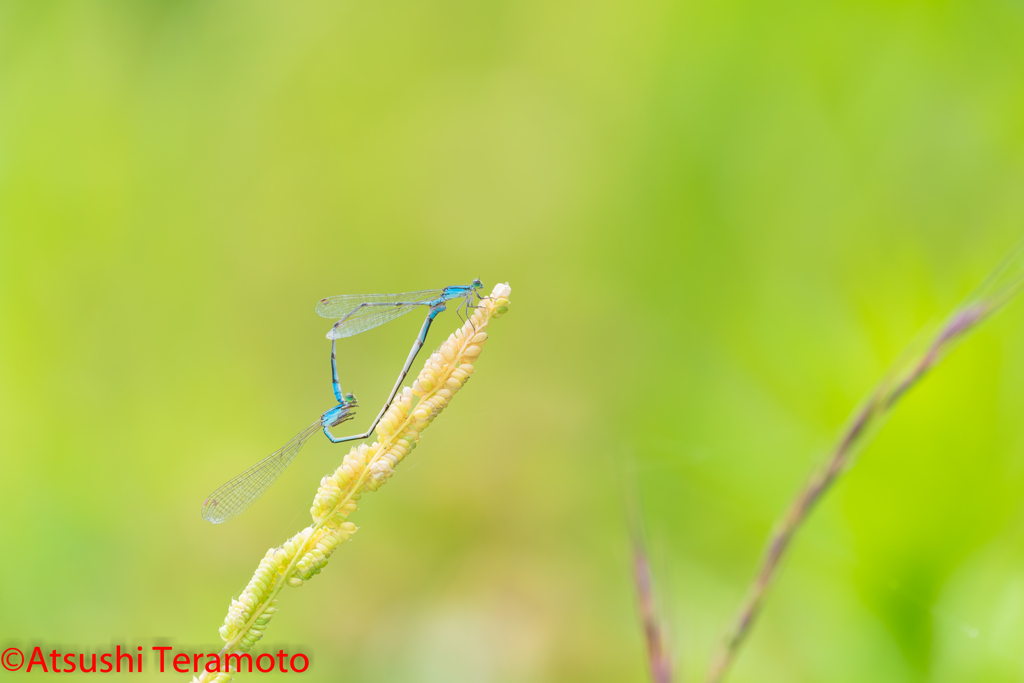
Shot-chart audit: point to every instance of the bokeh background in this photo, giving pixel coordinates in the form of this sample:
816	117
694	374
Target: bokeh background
721	221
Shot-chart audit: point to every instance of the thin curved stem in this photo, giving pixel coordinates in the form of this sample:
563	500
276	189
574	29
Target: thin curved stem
1001	286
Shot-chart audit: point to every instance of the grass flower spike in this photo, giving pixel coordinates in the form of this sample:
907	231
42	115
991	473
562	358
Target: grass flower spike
1000	287
366	468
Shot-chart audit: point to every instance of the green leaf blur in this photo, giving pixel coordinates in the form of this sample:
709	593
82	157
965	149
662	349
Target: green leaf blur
722	221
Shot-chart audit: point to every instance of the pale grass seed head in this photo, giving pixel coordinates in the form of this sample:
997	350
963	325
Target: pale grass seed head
366	468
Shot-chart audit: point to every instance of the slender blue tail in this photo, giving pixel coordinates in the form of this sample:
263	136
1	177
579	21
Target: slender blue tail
334	373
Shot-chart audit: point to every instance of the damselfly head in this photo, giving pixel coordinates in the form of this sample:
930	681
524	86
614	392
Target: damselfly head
477	284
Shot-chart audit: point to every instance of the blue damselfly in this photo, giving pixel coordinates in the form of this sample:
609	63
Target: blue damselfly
355	313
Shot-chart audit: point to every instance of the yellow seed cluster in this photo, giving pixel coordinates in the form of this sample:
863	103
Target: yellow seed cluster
365	468
325	540
236	624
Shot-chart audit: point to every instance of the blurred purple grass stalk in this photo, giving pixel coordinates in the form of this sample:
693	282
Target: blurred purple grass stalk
1001	286
364	469
658	658
656	637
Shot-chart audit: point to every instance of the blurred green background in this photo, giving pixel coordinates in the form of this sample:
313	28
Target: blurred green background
721	222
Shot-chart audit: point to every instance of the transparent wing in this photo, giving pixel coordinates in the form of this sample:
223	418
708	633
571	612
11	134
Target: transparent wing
361	312
235	496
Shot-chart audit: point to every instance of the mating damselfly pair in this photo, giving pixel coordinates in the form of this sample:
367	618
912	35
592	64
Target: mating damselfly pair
355	313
